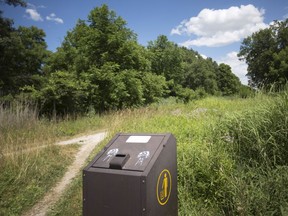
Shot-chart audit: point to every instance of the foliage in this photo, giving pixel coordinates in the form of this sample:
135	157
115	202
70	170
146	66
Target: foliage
265	53
15	2
228	83
166	59
101	66
112	69
185	68
246	91
103	38
23	51
62	93
154	87
219	168
279	67
203	75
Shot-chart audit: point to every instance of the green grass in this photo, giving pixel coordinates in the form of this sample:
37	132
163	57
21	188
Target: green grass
27	171
71	202
232	153
215	176
25	178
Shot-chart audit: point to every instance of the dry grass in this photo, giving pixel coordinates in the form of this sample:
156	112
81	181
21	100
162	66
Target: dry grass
28	171
22	129
25	178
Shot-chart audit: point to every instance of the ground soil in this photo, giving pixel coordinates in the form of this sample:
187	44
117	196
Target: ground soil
87	143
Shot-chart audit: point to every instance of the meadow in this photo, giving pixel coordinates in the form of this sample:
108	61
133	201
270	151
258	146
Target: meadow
232	155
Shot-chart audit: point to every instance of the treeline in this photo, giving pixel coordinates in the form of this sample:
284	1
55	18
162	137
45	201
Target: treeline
100	66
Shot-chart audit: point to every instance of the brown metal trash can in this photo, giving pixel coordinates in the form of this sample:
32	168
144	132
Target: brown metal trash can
134	175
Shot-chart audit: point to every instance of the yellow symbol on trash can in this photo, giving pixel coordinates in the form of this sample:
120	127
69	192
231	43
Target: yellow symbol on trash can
163	188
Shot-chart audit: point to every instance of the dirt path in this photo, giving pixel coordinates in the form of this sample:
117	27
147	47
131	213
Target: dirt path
88	144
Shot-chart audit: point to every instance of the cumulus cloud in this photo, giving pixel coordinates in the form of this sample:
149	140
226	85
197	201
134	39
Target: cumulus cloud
52	17
204	56
33	14
239	68
214	28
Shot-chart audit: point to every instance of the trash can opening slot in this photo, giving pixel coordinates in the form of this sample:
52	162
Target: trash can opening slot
119	161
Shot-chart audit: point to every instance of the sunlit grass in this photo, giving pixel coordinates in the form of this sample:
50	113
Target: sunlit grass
211	181
30	163
21	128
25	178
222	166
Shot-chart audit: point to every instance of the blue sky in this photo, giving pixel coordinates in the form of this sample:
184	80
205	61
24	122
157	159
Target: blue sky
213	28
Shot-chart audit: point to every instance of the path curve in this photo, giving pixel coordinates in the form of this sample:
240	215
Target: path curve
88	144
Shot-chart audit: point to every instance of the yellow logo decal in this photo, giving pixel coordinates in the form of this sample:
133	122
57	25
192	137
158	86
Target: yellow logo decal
164	185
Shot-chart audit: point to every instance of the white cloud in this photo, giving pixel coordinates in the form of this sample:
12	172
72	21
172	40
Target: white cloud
52	17
34	15
214	28
239	68
204	56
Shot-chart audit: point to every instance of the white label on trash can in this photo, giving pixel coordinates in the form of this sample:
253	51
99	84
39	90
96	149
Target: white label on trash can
110	154
138	139
141	157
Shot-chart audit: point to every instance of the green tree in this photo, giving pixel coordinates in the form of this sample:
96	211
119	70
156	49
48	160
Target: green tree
105	54
202	74
111	90
166	59
262	52
279	67
61	94
228	83
103	38
154	87
22	53
21	59
15	2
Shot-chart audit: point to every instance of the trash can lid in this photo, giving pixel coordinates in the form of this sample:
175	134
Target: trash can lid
130	152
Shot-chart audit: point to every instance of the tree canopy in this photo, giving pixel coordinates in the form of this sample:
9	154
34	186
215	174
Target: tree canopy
100	66
15	2
22	54
265	52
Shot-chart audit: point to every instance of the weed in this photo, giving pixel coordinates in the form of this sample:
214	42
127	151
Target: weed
232	153
25	178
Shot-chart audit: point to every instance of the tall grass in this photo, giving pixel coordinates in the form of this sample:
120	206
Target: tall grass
260	136
232	153
17	121
17	115
222	168
25	178
259	151
21	127
27	172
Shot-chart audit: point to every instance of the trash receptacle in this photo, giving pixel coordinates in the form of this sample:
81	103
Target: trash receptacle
134	175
